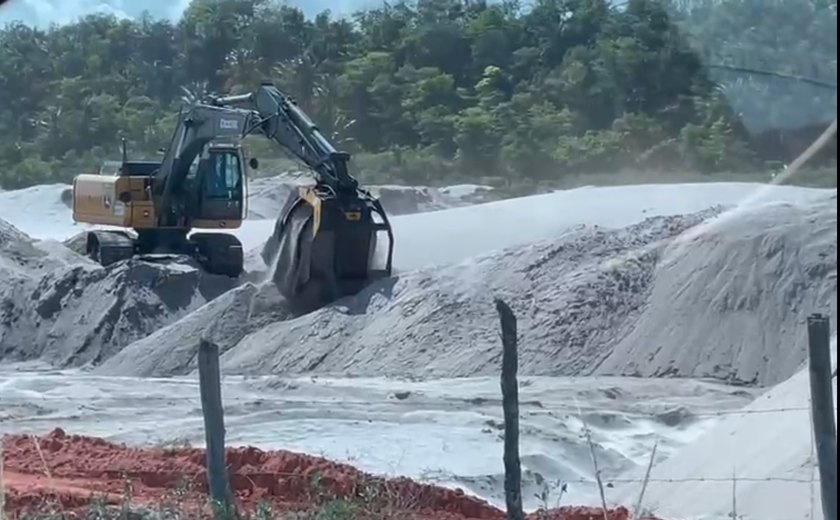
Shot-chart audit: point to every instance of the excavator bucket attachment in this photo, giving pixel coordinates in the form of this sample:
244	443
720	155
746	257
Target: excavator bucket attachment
326	246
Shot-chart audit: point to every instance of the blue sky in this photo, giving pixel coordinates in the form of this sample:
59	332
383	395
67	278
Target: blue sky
44	12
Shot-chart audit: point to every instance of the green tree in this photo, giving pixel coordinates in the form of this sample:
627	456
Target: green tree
440	90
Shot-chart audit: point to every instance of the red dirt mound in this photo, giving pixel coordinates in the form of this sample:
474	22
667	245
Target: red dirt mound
76	470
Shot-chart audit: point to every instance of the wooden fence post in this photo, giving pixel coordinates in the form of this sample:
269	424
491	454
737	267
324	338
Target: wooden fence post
2	485
822	410
510	406
210	383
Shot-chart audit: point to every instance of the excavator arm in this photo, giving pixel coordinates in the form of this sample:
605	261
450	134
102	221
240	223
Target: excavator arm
282	121
325	241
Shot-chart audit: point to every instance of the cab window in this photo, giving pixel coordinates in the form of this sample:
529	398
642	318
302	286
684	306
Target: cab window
222	175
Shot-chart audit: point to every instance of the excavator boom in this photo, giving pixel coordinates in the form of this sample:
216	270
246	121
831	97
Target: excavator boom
282	121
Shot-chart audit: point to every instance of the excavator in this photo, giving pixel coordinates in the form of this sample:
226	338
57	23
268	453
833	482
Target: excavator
325	242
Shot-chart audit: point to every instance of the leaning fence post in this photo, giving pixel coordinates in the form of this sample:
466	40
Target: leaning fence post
822	410
2	485
210	384
510	406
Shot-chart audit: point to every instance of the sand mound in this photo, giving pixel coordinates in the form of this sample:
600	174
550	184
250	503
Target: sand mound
665	297
573	297
768	446
441	322
730	298
723	300
23	257
84	468
63	309
174	348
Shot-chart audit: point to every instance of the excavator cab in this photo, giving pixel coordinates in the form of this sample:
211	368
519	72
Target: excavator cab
214	188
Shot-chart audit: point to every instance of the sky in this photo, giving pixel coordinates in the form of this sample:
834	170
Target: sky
43	12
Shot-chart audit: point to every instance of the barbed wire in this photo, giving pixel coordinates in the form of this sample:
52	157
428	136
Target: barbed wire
685	480
753	412
434	476
719	413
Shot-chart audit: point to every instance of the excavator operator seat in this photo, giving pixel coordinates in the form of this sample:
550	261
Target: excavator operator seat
222	174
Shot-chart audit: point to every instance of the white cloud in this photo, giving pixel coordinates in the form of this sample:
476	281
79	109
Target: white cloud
41	13
45	12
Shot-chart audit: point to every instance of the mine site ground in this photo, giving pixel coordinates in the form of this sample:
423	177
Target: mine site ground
667	315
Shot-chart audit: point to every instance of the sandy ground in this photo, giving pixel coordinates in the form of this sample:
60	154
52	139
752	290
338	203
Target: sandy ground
442	431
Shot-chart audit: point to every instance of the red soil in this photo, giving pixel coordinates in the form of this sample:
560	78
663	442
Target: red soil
76	470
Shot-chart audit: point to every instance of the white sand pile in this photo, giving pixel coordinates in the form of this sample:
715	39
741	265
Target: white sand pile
61	308
591	300
174	349
573	299
729	298
723	301
664	297
768	447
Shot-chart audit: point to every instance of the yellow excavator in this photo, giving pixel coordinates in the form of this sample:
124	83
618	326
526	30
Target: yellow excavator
326	239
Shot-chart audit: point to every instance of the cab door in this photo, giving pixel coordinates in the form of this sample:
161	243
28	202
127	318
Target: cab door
220	185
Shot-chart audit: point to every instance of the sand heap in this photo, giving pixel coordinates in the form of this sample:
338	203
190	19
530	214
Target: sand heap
441	322
59	307
731	297
768	446
23	257
665	297
723	300
574	295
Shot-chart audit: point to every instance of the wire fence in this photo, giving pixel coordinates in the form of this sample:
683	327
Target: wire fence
726	497
722	494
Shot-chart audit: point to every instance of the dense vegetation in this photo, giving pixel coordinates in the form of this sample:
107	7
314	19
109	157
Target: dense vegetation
442	90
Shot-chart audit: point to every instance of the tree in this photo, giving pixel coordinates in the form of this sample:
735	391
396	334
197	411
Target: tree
438	90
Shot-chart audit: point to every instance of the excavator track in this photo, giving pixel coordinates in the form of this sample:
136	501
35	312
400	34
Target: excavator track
109	247
219	253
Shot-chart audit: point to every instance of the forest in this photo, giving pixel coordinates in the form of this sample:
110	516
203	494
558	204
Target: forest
442	91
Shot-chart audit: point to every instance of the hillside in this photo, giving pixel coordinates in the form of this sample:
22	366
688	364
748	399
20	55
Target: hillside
434	92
